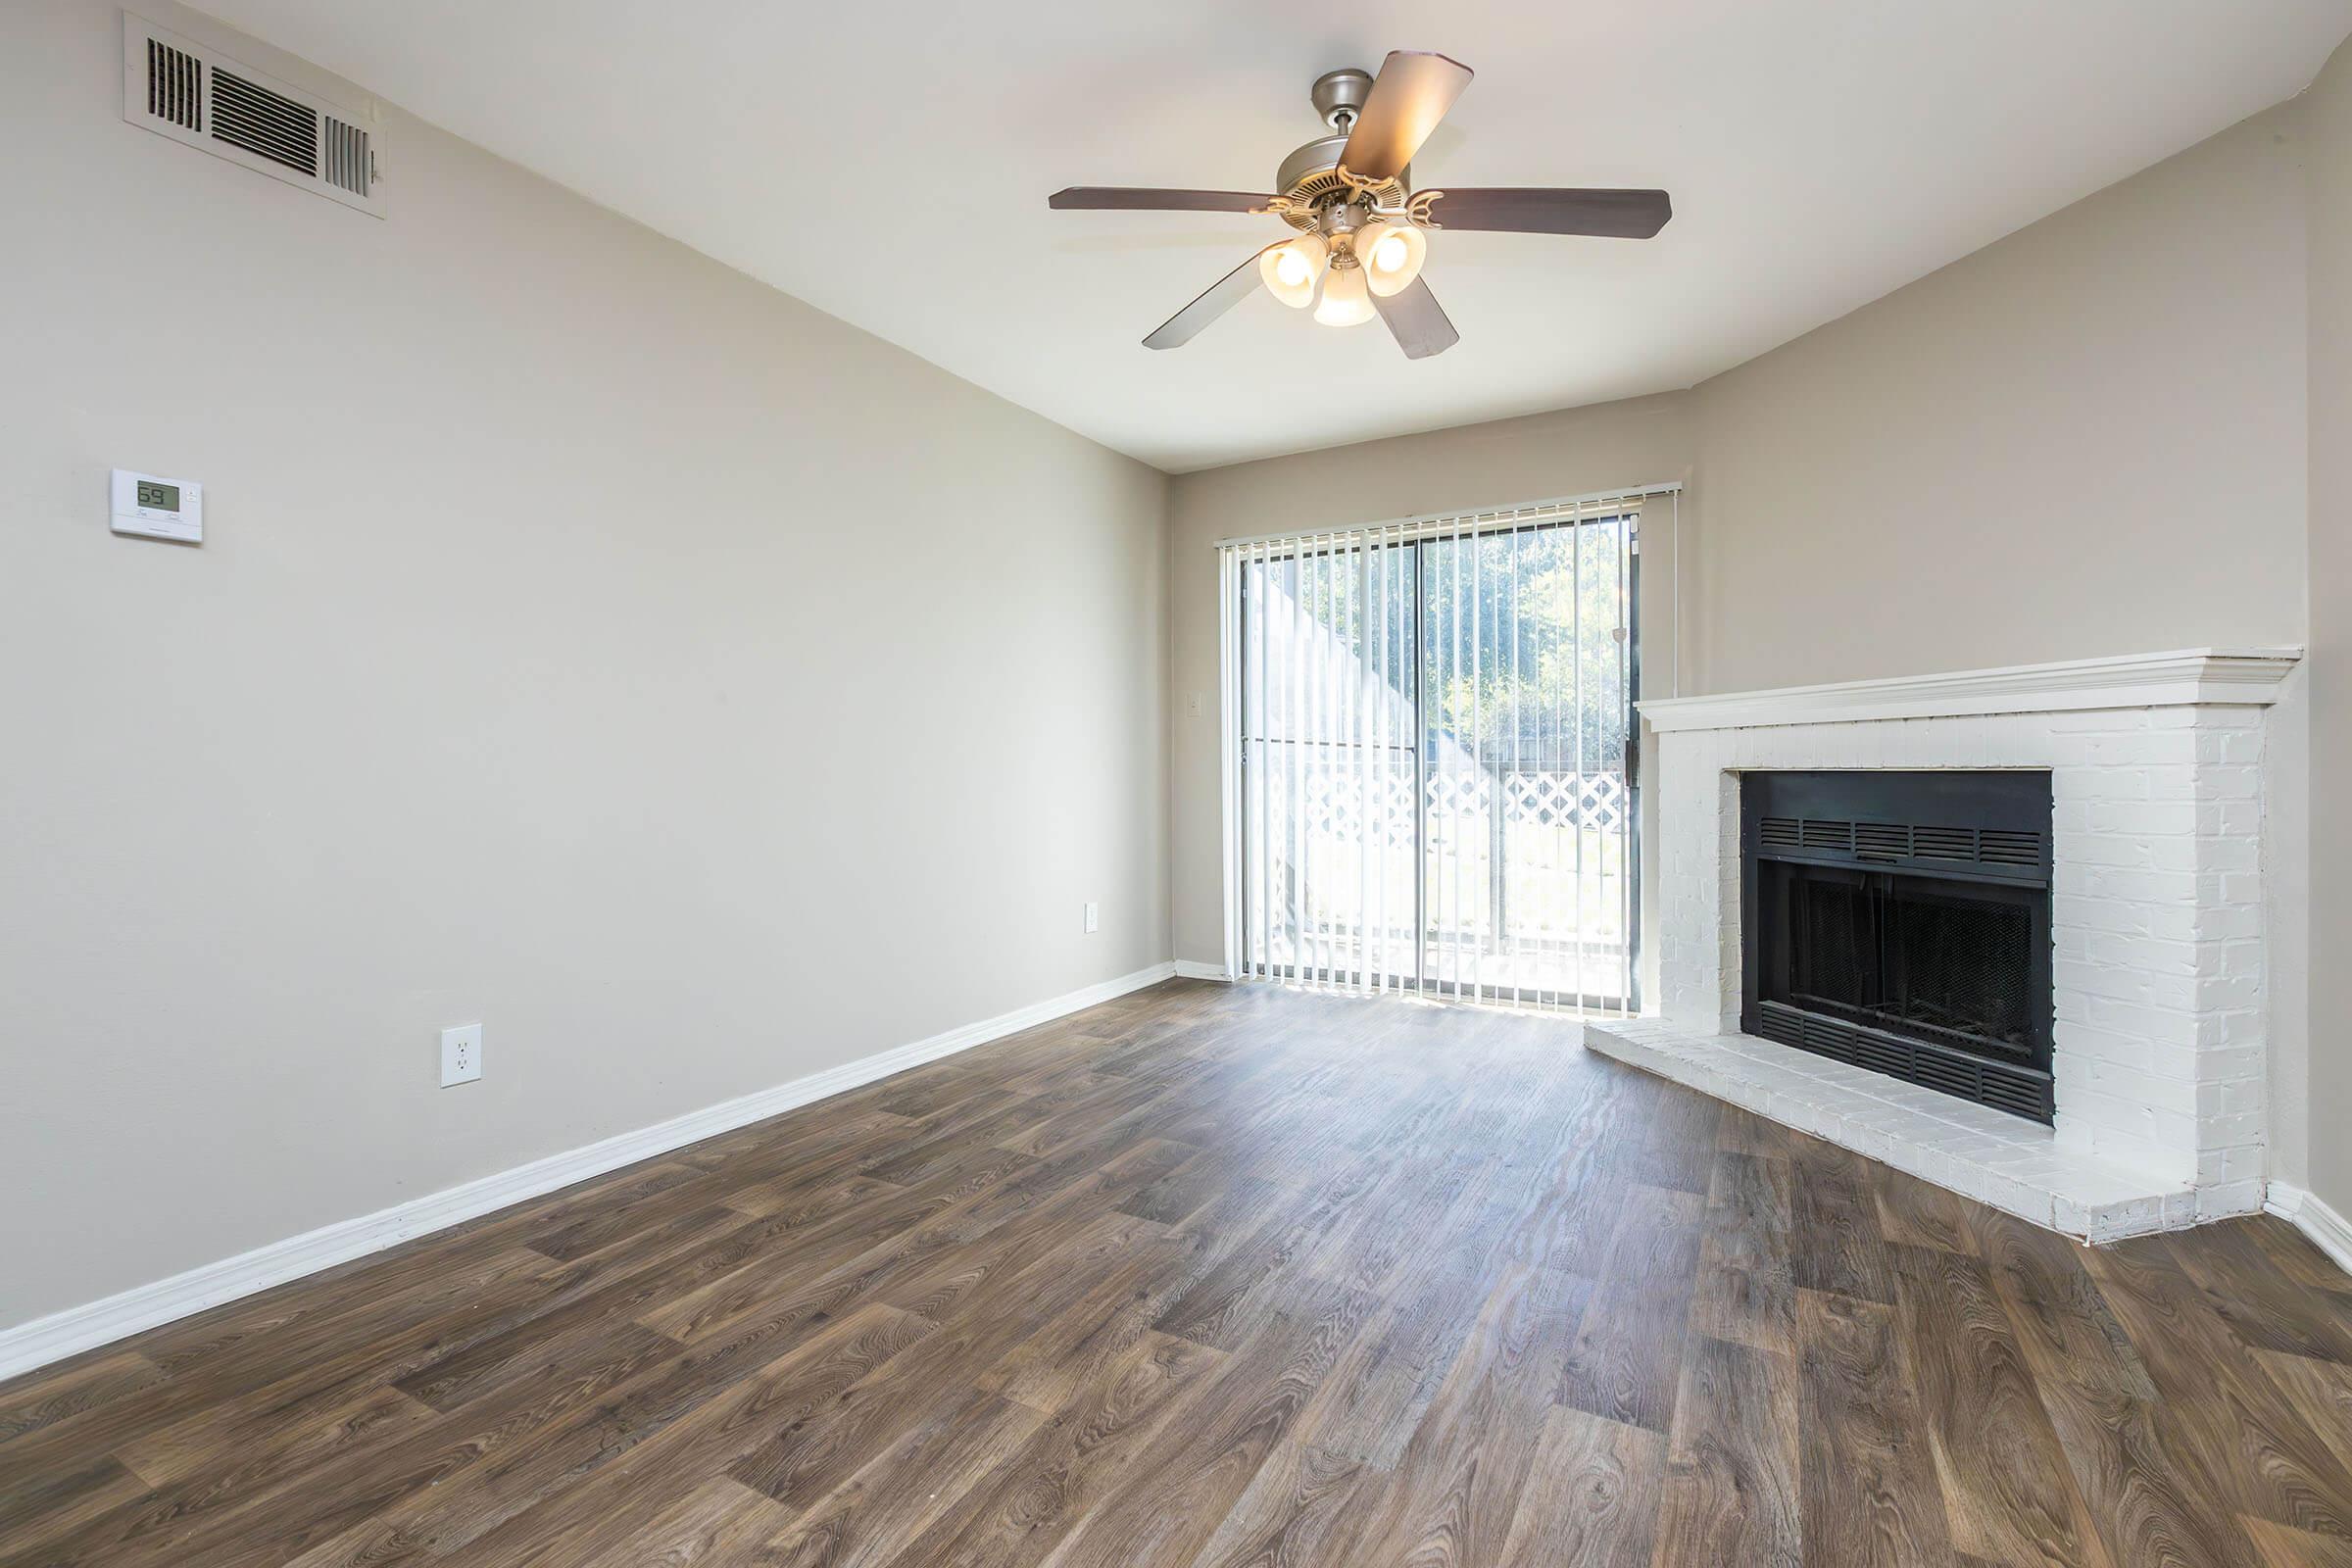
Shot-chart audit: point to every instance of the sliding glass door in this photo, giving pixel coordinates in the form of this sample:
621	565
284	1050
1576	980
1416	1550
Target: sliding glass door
1431	770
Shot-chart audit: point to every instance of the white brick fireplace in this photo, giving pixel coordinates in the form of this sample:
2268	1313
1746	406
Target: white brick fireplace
2157	925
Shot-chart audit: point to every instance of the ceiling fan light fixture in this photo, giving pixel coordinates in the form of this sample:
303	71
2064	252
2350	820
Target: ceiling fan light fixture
1362	238
1291	271
1392	251
1346	300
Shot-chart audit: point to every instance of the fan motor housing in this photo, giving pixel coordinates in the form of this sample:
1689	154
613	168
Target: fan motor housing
1310	178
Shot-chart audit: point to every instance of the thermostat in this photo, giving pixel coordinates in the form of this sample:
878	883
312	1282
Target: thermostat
157	508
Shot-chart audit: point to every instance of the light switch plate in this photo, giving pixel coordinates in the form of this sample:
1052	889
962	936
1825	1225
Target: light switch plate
460	1055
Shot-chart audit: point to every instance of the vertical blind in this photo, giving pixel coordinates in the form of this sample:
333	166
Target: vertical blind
1428	757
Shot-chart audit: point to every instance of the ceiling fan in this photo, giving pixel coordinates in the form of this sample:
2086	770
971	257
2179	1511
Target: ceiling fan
1362	229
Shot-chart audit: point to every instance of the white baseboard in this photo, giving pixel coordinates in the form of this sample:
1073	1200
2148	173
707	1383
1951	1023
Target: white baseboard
80	1328
1190	969
2329	1230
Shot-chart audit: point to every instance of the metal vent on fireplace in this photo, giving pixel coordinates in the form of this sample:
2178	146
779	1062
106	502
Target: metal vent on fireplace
2020	1091
1886	842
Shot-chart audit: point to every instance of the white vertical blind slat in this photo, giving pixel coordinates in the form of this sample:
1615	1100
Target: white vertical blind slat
1475	762
1626	869
1302	753
1548	836
1319	719
1518	772
1454	757
1576	816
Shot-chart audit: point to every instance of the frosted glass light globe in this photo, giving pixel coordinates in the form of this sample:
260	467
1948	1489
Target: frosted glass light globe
1346	300
1290	269
1392	250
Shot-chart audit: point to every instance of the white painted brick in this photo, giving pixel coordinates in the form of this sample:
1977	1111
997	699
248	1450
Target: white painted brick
2235	818
2158	952
2115	849
2237	782
2230	856
2221	1201
2143	819
2113	1221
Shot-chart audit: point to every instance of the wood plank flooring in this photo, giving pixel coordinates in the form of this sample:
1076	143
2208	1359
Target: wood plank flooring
1212	1277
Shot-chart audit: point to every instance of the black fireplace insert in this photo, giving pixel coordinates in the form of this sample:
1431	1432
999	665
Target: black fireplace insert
1900	921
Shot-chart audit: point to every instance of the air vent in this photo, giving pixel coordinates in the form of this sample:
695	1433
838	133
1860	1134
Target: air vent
1818	835
1882	841
2011	846
200	98
268	124
2019	1090
174	86
2021	1094
1893	843
1781	1023
1945	843
350	158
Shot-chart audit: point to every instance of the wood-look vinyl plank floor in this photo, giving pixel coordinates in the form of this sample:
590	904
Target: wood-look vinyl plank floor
1212	1277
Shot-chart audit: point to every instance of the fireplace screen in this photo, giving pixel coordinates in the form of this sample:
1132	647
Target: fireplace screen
1901	922
1940	964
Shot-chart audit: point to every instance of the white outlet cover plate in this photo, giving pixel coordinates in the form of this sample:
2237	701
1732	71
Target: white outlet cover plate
460	1055
1093	916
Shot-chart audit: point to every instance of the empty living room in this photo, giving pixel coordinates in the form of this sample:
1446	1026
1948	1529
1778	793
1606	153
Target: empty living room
1075	786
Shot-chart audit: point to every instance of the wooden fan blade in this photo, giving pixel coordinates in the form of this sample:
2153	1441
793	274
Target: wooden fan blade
1409	96
1137	198
1417	320
1214	301
1610	213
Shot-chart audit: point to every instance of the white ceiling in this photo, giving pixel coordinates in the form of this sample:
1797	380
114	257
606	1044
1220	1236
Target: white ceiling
890	163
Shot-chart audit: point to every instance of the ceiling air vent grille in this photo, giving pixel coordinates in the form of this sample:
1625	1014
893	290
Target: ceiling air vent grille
200	98
174	86
268	124
350	161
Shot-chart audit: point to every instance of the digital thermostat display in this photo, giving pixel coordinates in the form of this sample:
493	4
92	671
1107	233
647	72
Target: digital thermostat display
151	507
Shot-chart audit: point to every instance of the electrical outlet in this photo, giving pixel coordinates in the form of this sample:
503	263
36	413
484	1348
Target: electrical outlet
1193	705
460	1055
1093	916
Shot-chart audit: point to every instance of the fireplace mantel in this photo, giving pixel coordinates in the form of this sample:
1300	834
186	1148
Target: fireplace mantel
2182	676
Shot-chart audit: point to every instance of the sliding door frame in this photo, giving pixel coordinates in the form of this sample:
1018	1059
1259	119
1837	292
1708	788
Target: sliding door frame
1405	537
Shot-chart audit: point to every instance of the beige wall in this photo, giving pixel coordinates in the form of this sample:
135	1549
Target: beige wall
2328	125
589	640
2088	438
